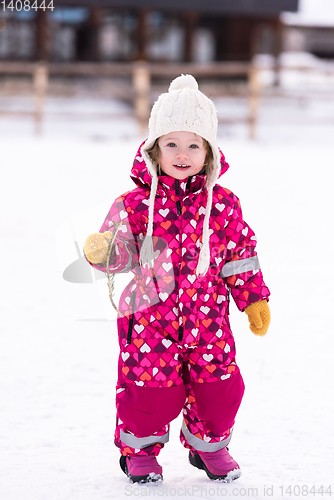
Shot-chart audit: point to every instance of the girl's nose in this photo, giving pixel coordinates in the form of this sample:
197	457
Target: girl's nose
182	154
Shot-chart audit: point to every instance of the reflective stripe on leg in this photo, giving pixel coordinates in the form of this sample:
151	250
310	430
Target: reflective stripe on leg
200	445
139	443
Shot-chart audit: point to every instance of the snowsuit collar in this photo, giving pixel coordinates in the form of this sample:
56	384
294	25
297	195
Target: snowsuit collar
168	186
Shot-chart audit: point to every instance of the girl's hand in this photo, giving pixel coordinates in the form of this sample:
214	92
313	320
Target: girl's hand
259	317
96	247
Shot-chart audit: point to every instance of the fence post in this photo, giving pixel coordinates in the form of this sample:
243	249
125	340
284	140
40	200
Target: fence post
40	86
254	98
142	91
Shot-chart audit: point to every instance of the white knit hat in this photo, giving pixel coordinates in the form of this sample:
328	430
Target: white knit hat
183	108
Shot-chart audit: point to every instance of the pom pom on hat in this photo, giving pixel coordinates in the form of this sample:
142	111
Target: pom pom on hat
183	81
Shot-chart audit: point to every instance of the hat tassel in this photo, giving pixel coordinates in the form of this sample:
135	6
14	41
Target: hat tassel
204	256
147	250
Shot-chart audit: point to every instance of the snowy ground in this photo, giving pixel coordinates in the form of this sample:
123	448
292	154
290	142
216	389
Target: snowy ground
58	350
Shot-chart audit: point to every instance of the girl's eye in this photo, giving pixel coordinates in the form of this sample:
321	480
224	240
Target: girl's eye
194	146
171	144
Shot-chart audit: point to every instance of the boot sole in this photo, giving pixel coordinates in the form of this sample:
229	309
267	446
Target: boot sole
152	477
196	461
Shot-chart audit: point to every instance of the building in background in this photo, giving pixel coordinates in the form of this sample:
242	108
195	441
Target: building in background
311	29
153	30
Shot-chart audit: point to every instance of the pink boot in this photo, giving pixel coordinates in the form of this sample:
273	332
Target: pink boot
217	465
141	468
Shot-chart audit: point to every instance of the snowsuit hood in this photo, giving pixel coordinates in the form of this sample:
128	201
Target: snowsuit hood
142	178
146	252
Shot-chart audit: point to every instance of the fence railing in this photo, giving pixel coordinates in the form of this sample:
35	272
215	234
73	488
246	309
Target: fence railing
141	75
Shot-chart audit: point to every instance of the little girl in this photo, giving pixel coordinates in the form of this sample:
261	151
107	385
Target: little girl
184	238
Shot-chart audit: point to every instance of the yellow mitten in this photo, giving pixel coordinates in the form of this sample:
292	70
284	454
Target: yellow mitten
259	317
96	247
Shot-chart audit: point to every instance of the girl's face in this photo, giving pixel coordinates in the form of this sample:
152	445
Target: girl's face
182	154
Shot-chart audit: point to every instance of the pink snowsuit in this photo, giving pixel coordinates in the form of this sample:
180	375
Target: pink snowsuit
176	346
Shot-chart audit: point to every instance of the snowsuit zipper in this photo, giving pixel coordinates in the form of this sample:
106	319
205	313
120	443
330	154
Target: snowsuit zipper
179	212
228	302
177	192
132	302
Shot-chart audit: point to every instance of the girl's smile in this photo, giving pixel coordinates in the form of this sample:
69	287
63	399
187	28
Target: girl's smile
182	154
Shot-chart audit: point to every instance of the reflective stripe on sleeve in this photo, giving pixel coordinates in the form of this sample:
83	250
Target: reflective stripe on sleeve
139	443
240	266
200	445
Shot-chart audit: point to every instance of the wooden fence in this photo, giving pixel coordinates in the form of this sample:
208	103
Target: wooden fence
141	74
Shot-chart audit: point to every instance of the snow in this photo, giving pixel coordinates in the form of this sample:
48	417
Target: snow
58	350
311	13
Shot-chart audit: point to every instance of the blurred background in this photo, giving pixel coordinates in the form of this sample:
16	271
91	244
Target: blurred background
77	82
77	66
